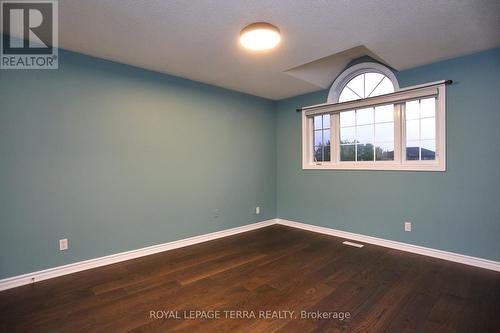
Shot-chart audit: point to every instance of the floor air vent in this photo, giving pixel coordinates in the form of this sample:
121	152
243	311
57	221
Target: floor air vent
353	244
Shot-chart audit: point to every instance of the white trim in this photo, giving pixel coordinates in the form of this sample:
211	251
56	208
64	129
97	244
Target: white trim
373	166
28	278
450	256
45	274
365	67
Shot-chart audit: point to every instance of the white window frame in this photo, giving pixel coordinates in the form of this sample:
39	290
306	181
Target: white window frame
399	163
346	76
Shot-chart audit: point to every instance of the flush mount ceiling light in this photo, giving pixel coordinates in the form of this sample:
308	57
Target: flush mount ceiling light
260	36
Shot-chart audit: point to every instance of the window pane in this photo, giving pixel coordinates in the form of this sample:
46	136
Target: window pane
347	95
327	153
428	128
348	135
372	80
385	87
412	130
412	150
326	137
428	149
326	121
366	85
317	123
384	132
364	116
384	151
365	152
412	110
364	134
357	85
318	154
384	113
347	118
318	138
347	152
428	107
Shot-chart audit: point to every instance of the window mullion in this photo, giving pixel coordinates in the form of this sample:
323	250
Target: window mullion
310	140
374	138
403	132
437	129
335	137
419	130
398	133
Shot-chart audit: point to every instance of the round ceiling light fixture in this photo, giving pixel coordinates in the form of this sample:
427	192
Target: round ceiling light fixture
260	36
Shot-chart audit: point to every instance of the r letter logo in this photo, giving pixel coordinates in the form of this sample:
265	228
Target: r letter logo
30	34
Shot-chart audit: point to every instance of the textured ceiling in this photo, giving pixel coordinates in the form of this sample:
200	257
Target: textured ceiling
198	39
321	72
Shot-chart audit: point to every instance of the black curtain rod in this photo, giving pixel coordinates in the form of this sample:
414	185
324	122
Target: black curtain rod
447	82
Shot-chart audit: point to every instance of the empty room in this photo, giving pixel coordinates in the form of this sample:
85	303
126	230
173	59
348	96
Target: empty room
249	166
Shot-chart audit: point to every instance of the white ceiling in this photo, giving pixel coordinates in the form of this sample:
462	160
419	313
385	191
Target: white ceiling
198	39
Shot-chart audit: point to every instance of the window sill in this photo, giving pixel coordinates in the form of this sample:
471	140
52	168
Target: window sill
379	166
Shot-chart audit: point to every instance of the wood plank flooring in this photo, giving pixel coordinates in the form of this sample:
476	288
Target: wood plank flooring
271	269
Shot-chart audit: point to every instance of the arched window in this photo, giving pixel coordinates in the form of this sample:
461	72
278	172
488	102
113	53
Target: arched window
363	80
369	123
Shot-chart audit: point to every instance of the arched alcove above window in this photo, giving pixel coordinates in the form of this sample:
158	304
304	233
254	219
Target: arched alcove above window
367	79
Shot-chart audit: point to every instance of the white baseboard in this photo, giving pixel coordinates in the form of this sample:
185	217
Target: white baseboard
451	256
28	278
45	274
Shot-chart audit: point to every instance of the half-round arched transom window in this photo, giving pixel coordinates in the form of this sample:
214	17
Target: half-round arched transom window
362	81
366	85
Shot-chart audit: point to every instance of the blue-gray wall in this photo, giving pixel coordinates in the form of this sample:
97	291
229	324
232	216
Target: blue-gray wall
116	158
457	210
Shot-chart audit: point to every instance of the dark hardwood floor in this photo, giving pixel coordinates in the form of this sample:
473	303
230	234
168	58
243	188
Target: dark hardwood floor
272	269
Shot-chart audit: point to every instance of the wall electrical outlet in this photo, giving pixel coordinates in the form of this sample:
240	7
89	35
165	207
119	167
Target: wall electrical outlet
257	210
408	226
63	244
